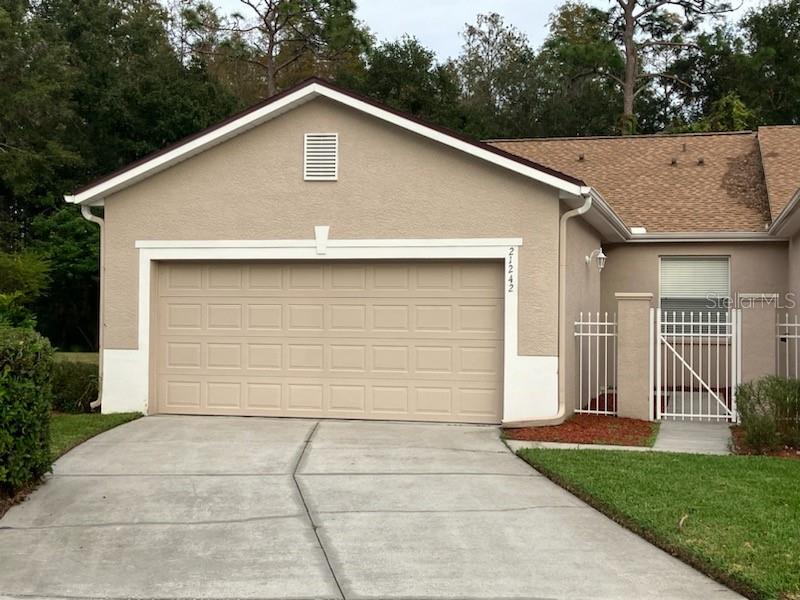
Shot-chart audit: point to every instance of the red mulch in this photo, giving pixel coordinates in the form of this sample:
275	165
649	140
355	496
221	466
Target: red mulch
590	429
740	446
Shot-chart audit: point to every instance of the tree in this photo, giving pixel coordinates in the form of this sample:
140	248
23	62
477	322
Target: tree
23	278
280	40
37	119
406	75
494	68
573	98
87	87
757	62
646	29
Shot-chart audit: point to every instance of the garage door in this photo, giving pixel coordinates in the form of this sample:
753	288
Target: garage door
375	340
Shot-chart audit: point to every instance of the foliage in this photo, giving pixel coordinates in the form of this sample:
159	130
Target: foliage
87	87
75	386
23	279
26	360
769	410
276	43
404	74
736	518
67	311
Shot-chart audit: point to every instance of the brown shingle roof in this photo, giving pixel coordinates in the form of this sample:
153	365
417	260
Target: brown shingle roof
780	154
666	183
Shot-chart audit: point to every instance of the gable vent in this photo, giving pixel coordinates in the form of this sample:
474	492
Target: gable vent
321	157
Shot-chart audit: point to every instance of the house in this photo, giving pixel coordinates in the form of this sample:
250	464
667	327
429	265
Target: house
322	255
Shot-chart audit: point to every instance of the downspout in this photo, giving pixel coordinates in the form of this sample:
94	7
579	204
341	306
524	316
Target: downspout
562	321
562	302
86	213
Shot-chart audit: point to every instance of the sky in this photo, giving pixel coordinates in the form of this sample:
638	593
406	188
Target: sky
437	23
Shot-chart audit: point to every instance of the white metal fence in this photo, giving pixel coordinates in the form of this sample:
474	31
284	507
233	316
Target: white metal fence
596	341
697	365
787	351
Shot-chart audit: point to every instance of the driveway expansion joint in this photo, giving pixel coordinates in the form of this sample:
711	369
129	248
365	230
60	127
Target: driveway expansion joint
314	526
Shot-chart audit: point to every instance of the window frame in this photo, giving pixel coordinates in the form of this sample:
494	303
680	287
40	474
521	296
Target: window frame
685	327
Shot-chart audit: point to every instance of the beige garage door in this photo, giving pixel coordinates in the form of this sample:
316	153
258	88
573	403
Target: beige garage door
374	340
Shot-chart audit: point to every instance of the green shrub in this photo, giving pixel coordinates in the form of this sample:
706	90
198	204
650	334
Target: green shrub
74	386
769	410
26	361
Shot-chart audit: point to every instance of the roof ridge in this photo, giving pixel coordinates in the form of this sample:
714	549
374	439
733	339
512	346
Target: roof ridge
583	138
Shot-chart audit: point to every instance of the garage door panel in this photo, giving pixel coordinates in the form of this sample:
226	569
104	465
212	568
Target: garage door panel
335	398
412	341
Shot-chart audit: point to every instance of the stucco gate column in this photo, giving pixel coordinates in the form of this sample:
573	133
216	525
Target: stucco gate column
633	354
759	312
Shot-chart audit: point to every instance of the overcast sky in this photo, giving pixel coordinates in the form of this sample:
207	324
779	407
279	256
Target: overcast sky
437	23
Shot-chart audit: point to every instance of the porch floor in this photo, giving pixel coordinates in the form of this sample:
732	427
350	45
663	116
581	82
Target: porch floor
694	437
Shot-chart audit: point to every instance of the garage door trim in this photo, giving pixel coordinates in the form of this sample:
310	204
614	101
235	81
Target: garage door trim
521	374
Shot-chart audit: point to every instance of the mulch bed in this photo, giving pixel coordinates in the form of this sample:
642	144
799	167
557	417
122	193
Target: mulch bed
590	429
740	446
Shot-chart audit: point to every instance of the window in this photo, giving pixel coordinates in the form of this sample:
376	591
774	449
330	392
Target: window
695	284
321	157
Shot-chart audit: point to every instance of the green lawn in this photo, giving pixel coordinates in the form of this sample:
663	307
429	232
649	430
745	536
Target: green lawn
89	357
736	518
67	431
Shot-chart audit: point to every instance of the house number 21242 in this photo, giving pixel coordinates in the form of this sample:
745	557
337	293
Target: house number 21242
510	269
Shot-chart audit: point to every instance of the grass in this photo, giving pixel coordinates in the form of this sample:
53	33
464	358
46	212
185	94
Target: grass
67	431
736	518
89	357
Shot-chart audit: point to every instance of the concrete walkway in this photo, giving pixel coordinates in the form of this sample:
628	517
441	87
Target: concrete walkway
198	507
694	437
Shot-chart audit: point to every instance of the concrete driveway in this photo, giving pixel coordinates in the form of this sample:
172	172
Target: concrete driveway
199	507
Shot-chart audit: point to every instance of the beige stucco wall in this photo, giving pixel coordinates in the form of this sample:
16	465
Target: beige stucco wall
392	184
583	295
755	267
759	268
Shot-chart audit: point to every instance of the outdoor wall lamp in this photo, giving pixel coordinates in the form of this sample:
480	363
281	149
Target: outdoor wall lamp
601	258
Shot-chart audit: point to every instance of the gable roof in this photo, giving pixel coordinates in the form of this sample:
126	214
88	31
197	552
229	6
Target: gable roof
666	183
780	155
95	192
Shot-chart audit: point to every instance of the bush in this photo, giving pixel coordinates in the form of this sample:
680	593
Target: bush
769	410
74	386
26	361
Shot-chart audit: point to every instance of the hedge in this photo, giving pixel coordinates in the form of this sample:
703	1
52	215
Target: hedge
74	386
769	411
26	360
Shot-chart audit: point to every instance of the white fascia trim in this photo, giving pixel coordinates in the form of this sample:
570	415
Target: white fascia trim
448	140
529	382
158	163
780	222
713	236
612	218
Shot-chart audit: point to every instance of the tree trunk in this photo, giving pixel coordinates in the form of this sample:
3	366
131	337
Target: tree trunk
628	120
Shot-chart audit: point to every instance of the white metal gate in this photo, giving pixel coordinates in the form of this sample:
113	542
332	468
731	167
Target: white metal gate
787	352
697	364
596	345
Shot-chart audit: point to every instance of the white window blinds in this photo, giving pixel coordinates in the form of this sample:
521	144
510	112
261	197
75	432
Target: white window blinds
693	283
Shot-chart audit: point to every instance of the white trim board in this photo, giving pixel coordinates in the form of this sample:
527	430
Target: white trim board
530	383
95	194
